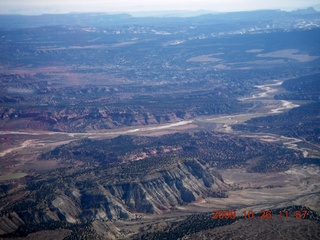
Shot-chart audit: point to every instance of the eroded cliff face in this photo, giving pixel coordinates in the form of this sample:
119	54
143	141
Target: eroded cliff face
107	194
158	192
82	119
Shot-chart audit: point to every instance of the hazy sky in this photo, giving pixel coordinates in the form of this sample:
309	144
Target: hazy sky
64	6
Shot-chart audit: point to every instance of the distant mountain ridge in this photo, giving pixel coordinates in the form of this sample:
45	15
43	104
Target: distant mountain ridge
115	19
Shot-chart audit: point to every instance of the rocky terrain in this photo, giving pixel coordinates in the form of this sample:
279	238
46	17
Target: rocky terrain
125	177
116	127
202	226
144	187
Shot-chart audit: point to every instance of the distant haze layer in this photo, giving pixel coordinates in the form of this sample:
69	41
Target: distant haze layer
66	6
